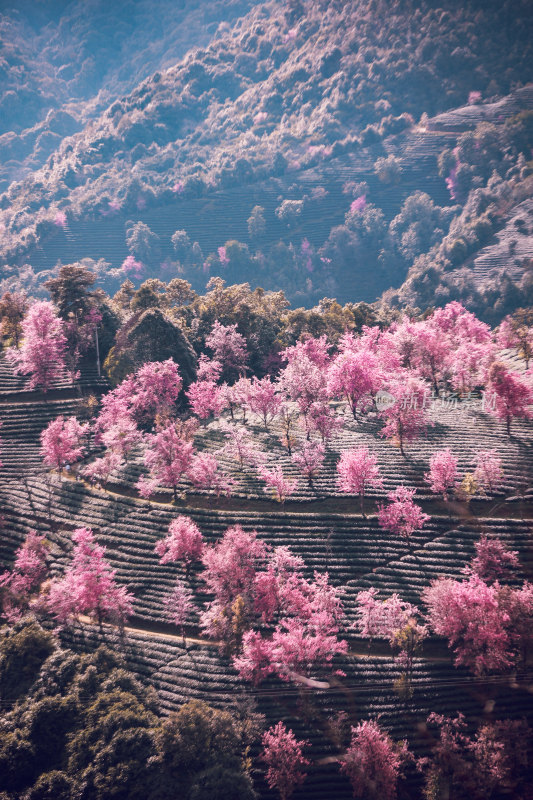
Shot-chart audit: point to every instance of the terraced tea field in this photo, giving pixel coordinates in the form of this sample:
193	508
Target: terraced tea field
319	525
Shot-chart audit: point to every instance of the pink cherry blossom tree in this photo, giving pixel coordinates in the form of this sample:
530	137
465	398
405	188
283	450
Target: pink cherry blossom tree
432	353
61	442
402	516
277	482
300	645
493	560
42	354
304	384
443	475
288	418
405	414
29	571
204	473
397	345
282	753
309	614
263	399
236	397
240	446
152	391
357	470
304	379
322	420
459	325
373	762
315	350
229	348
310	459
231	564
89	585
382	618
488	472
114	410
276	586
101	469
471	617
205	398
208	369
254	662
179	606
508	396
121	436
479	765
518	605
184	542
469	363
168	456
230	568
354	375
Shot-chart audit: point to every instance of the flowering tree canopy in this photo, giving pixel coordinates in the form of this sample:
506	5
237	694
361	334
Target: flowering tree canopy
282	753
29	570
488	472
42	354
402	516
263	399
442	476
470	614
183	543
310	459
167	456
355	376
277	482
508	395
404	415
60	442
229	347
88	585
179	605
382	618
357	470
373	762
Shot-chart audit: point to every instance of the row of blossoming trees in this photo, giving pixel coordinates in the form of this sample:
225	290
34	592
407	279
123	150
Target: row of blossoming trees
272	620
391	374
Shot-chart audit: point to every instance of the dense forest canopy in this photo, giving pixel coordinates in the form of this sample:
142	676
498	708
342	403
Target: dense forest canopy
326	149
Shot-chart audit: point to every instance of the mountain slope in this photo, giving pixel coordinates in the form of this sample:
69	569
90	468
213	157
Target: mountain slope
63	62
300	109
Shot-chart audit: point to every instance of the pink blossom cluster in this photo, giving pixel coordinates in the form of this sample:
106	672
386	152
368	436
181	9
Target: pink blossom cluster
29	570
382	618
402	516
252	585
88	586
131	265
373	762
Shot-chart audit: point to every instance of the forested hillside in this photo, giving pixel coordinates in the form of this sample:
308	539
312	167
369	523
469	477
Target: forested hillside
325	149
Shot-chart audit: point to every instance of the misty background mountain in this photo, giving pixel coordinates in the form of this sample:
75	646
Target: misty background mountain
358	150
